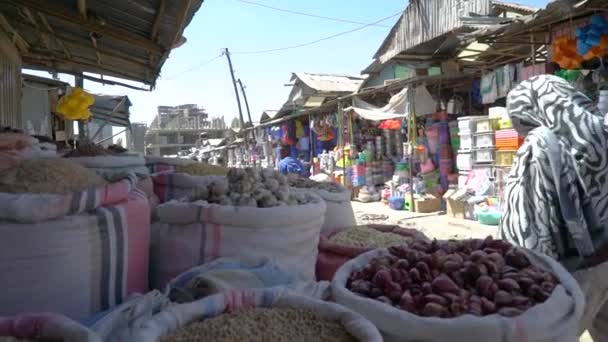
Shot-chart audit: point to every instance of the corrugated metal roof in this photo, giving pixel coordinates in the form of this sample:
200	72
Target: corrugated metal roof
328	83
516	6
268	115
424	20
125	39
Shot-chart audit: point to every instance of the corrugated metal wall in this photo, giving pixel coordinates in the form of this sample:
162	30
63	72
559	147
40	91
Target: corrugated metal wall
10	84
424	20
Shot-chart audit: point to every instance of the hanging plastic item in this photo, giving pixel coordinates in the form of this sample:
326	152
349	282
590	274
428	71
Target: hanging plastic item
565	53
299	129
393	124
75	106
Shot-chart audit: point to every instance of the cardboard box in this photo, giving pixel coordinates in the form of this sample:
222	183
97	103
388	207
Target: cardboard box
428	204
454	207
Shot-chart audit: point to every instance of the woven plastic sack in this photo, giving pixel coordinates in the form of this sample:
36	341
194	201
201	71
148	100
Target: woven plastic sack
172	185
191	234
114	167
339	213
45	326
332	255
162	164
75	254
555	320
179	316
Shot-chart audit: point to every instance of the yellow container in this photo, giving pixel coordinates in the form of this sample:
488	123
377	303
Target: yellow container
505	123
505	158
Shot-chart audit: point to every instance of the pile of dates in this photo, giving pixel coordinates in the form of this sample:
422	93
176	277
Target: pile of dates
454	278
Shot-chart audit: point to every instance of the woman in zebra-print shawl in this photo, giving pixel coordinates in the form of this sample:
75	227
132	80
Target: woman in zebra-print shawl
556	196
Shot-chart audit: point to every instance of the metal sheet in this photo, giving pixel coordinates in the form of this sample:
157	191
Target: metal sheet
10	85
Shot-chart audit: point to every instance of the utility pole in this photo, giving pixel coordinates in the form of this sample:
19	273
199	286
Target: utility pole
236	91
246	102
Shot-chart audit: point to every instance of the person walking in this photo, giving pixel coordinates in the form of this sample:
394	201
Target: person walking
556	195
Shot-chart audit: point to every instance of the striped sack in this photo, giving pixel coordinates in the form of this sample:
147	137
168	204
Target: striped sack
192	234
74	254
161	164
46	326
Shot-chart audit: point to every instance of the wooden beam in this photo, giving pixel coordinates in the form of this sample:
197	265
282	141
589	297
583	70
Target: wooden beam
65	14
48	26
82	8
157	19
181	17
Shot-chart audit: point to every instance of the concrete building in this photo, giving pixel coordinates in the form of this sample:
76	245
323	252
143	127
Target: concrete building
177	129
136	137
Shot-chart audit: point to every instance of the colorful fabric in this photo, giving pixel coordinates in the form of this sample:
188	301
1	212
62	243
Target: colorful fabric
45	326
556	194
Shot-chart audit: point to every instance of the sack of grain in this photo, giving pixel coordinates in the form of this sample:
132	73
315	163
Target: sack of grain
555	319
120	323
75	254
339	212
193	233
202	169
338	247
50	176
162	164
44	327
171	185
112	167
231	274
272	314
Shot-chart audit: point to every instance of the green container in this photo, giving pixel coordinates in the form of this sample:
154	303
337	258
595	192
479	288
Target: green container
434	71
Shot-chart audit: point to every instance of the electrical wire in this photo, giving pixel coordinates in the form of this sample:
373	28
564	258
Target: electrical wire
318	40
194	67
305	14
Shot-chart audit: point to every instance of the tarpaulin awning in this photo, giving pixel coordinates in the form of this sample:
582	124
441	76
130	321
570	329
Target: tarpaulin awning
396	108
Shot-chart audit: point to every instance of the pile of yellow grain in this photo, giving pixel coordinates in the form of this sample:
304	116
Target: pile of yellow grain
201	169
264	324
53	175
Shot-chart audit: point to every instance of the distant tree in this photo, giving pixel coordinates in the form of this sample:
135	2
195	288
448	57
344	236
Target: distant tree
119	142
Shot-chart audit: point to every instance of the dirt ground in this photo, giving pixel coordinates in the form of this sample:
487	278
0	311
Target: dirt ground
433	225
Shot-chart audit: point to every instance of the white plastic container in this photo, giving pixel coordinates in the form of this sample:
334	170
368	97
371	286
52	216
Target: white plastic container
484	155
466	141
464	160
483	140
466	125
484	124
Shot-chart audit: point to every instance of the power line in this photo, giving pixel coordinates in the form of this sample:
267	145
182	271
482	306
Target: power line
304	14
318	40
194	67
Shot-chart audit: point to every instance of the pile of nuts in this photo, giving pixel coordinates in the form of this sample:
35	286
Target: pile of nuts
364	236
453	278
252	188
88	150
274	324
296	181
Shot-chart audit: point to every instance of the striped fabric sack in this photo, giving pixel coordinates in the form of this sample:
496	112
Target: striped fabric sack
161	164
46	327
74	254
114	167
178	316
171	185
192	234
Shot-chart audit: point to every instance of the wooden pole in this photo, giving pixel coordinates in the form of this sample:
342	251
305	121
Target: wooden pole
236	91
411	137
247	107
341	137
82	125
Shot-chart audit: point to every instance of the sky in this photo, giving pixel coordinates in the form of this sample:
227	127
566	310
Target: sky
187	77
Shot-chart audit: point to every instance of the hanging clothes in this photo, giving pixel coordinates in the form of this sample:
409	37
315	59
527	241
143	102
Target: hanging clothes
489	88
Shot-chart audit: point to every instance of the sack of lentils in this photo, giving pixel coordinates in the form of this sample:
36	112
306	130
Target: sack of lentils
467	290
163	164
272	314
337	247
44	327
